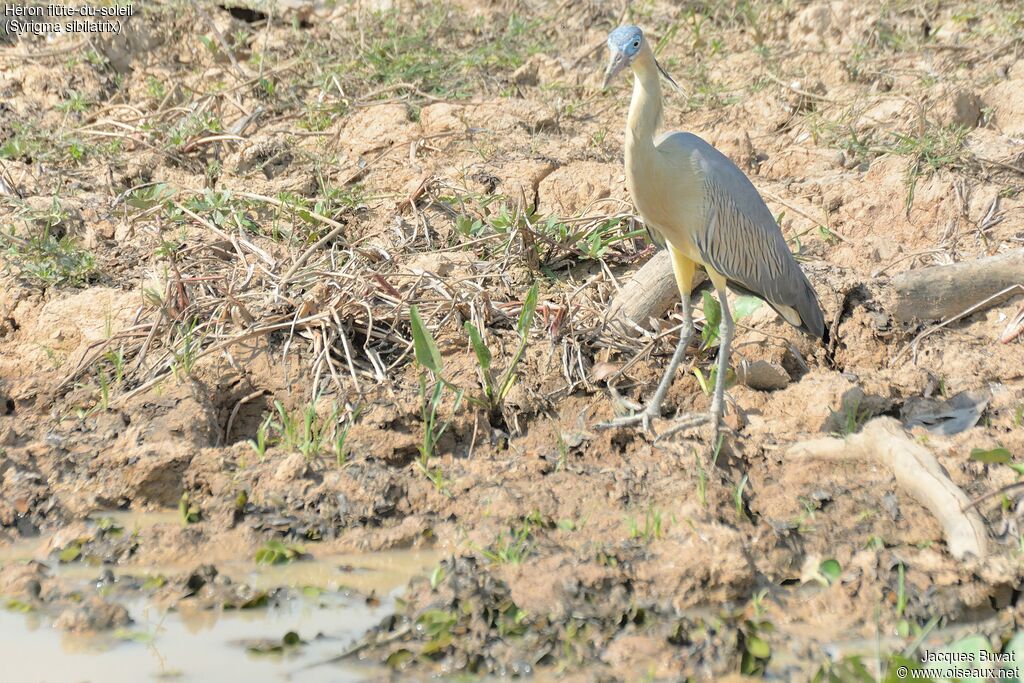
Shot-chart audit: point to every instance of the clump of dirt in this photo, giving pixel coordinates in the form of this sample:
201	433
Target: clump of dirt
216	230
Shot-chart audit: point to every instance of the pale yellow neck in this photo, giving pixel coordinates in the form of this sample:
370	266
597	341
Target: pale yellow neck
645	107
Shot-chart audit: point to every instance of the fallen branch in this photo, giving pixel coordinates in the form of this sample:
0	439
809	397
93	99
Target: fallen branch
884	440
648	293
938	292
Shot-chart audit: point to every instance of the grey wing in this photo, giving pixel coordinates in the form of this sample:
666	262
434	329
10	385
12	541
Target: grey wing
741	240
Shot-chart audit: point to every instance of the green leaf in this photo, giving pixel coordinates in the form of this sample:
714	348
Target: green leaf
508	380
851	668
16	605
972	648
257	600
464	224
12	149
264	556
70	553
154	582
831	570
436	645
437	576
529	306
1015	648
483	354
730	378
758	648
712	317
995	455
912	671
701	381
276	552
134	636
189	513
427	353
971	644
903	628
1017	467
745	306
399	658
144	198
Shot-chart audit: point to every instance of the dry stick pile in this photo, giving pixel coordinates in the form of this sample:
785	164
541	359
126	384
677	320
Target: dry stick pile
348	300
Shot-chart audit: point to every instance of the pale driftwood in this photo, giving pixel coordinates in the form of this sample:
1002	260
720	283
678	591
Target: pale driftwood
916	470
648	292
938	292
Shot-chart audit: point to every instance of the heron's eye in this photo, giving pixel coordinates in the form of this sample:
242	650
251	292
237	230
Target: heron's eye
636	44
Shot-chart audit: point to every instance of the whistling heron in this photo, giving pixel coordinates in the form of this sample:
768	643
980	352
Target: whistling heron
692	197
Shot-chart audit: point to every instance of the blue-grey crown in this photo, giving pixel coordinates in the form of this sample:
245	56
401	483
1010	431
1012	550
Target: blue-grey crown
626	39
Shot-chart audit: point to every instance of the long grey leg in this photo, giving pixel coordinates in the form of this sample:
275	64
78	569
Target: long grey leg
724	351
718	398
685	334
653	409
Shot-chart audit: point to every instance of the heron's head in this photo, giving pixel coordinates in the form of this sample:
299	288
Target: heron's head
624	44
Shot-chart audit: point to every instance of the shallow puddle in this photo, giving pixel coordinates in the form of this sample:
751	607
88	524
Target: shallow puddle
213	645
192	646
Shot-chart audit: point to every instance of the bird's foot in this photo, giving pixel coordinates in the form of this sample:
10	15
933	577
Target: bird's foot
689	421
643	417
638	414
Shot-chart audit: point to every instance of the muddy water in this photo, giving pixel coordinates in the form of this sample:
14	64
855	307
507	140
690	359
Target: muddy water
212	645
190	647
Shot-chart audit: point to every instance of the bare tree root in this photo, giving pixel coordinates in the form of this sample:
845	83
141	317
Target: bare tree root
884	440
